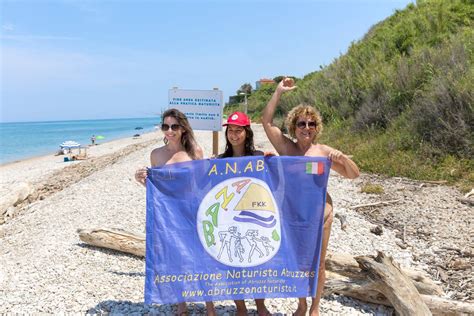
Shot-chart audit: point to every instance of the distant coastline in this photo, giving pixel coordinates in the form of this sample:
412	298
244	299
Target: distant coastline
25	140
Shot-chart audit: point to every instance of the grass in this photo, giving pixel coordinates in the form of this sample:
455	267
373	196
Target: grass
387	154
372	188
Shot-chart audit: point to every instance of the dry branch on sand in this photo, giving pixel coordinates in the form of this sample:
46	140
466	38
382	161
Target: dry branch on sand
374	204
343	220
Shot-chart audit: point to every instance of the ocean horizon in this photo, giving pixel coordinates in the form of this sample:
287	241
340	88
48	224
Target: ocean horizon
23	140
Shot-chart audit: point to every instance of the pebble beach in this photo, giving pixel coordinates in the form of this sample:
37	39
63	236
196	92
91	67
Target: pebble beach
46	268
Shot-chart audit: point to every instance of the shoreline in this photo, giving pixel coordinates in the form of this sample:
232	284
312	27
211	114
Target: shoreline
88	146
24	181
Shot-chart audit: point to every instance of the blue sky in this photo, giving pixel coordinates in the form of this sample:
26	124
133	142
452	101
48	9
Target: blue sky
87	59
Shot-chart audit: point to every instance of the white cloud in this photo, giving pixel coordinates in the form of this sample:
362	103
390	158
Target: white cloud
37	37
8	27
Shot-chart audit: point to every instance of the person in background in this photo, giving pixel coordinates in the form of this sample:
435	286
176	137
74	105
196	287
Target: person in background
305	125
180	146
239	142
93	140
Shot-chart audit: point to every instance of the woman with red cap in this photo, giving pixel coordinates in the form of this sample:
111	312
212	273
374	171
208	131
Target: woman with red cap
239	137
239	142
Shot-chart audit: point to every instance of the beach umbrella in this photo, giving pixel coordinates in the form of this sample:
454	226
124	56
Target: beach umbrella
99	137
139	127
70	144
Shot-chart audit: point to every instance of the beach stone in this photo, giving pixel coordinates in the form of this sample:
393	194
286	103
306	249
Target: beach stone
10	212
377	230
17	193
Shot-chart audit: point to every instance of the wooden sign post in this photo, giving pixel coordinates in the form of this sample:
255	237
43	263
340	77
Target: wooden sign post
203	108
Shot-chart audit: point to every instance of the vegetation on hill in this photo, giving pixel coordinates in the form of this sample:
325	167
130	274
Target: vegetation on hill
401	99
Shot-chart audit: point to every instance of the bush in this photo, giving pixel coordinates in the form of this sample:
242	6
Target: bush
443	117
372	188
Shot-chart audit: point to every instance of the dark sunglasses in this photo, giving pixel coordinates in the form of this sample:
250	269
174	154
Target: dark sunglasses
174	127
303	124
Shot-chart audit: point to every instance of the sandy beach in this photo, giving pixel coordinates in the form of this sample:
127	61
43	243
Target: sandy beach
45	267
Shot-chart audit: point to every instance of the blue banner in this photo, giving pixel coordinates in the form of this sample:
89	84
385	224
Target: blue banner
236	228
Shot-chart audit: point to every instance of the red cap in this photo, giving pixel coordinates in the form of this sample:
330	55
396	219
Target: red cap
238	118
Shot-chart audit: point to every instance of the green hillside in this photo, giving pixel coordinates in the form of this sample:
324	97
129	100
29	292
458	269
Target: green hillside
401	99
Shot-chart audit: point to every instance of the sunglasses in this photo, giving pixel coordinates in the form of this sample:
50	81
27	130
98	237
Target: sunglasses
303	124
174	127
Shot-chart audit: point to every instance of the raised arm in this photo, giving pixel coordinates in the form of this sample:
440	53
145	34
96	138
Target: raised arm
274	134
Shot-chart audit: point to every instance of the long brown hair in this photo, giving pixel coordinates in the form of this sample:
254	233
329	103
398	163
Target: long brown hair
187	138
249	146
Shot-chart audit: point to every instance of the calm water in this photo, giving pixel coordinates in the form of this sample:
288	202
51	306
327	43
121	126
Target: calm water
28	139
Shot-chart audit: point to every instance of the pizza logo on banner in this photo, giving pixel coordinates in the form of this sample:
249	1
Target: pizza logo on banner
238	222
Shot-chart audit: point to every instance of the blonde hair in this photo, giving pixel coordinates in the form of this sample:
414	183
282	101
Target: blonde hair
307	111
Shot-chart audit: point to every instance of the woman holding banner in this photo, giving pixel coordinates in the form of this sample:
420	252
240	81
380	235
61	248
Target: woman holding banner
180	146
239	142
305	125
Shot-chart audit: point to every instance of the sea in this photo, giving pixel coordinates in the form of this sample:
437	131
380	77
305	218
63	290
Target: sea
24	140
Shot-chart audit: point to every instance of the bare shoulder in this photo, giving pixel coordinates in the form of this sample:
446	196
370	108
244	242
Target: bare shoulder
157	151
324	148
156	156
199	152
319	150
288	148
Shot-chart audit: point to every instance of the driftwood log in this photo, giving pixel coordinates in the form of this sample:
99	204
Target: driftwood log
365	290
346	265
114	238
396	286
368	279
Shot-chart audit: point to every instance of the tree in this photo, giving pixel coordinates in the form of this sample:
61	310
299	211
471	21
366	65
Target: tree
245	88
277	79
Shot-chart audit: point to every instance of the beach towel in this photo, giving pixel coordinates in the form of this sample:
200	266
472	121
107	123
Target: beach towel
236	228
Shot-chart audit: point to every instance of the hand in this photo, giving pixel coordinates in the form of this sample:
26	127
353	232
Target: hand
286	84
269	154
336	155
140	175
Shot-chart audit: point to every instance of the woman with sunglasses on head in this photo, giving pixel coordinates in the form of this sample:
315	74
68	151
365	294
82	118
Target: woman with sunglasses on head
239	142
180	146
305	125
